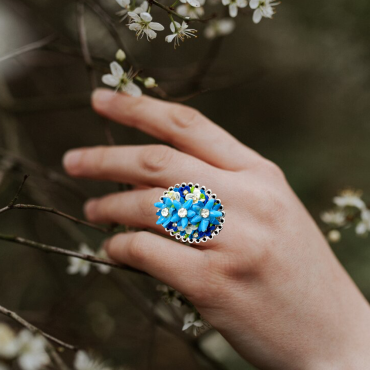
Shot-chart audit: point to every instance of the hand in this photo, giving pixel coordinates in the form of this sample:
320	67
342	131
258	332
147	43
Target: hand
269	282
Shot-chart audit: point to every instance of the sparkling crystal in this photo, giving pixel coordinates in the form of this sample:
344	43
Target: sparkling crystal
165	212
174	224
204	212
195	235
185	192
183	212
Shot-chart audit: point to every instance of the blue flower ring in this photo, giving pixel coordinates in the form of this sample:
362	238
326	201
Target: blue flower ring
190	213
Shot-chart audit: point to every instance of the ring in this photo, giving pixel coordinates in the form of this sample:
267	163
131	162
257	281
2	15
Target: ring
190	213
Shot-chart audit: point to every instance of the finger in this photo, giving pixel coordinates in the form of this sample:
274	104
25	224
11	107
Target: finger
173	263
155	165
133	208
183	127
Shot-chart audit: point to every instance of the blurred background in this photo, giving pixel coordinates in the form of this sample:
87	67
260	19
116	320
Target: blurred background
295	88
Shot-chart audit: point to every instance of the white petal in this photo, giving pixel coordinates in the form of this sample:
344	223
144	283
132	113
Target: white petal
361	229
134	27
169	38
233	10
187	326
226	26
144	6
151	34
116	69
257	16
183	11
254	4
110	80
132	89
156	26
226	2
194	3
134	16
241	3
146	17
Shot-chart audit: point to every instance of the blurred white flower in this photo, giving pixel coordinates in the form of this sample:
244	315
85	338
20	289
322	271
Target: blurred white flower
85	362
195	196
179	33
220	27
121	80
142	24
188	229
334	236
263	8
31	351
173	195
170	295
149	83
334	217
190	320
350	198
193	3
187	10
8	342
363	227
234	5
79	266
103	269
120	55
142	8
125	4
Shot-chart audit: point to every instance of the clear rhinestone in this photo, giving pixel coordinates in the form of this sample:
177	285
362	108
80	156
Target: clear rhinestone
185	192
195	235
174	224
183	212
165	212
204	212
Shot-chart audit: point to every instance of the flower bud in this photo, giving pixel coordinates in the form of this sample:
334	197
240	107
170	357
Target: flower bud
334	236
150	83
120	55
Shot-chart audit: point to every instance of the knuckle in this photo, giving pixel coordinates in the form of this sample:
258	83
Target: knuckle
101	156
156	158
185	117
273	170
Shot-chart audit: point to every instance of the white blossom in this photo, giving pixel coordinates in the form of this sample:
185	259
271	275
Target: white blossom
193	3
85	362
234	5
334	217
120	55
149	83
334	236
188	229
263	9
170	295
363	227
179	33
173	195
142	8
80	266
121	80
8	342
220	27
103	269
187	10
142	24
350	198
125	4
195	196
191	320
31	351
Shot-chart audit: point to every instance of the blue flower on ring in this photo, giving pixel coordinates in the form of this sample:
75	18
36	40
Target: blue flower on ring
206	215
183	212
165	212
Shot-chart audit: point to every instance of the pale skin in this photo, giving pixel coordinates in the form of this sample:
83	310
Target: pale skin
269	283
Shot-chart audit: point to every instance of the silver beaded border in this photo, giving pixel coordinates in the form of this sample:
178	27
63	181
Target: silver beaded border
210	195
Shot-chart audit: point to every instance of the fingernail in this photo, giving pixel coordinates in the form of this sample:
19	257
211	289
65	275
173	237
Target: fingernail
101	97
89	207
72	158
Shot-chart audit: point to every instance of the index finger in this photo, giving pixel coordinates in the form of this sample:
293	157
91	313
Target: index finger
183	127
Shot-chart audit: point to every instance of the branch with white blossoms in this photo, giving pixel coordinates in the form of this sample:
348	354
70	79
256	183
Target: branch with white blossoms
350	211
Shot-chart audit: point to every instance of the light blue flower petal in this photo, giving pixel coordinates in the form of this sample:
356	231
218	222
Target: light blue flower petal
168	202
175	218
196	219
184	222
177	204
161	220
196	208
165	224
203	225
215	214
188	204
158	213
159	205
191	214
210	204
217	206
214	221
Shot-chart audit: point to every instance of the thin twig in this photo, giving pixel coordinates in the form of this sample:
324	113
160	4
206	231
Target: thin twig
33	46
35	330
65	252
11	204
